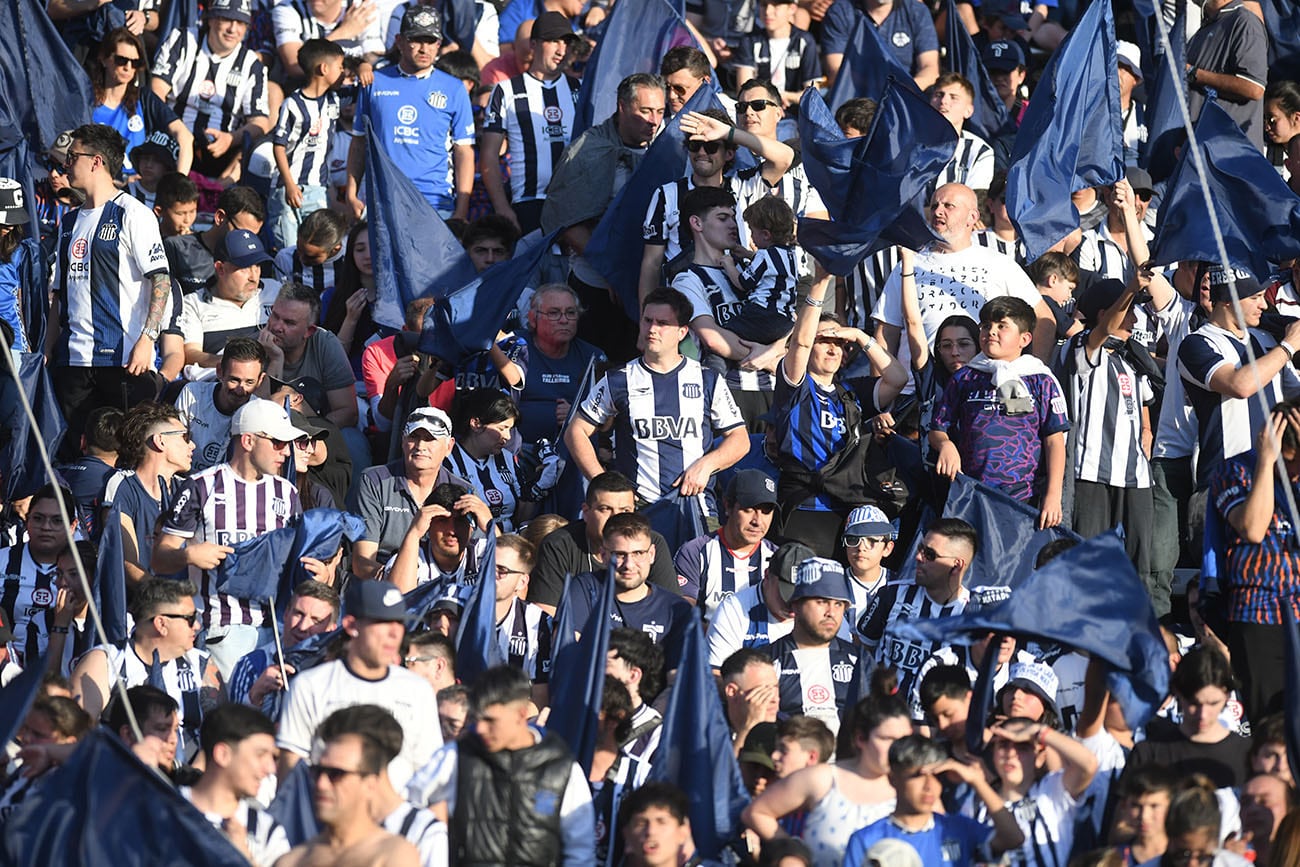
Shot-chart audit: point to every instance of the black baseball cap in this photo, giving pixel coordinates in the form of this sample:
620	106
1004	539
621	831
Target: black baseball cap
421	22
378	601
783	563
552	27
750	488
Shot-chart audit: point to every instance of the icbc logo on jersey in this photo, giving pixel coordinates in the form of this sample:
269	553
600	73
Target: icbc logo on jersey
819	694
1126	389
79	248
554	118
42	597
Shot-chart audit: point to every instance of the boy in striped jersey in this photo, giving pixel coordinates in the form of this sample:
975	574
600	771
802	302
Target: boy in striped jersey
302	137
972	164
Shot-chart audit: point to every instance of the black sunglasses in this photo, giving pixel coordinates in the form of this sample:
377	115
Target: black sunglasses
122	60
928	554
190	619
335	775
755	105
709	147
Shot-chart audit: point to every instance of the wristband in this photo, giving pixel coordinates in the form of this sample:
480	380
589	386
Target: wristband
910	274
1286	347
814	302
59	630
731	135
871	341
1042	736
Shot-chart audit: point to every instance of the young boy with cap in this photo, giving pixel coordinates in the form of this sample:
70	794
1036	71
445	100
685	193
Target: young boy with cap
153	158
816	667
868	539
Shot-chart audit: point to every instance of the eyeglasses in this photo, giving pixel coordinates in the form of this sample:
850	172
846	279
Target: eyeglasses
560	315
755	105
929	555
123	61
504	572
856	541
410	660
336	775
280	445
190	619
1186	856
183	434
679	90
72	157
709	147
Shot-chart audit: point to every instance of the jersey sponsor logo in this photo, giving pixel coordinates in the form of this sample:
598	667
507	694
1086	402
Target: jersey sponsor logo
905	655
407	114
818	694
213	452
654	630
901	39
556	378
692	390
234	537
841	672
436	99
108	232
42	597
79	247
494	498
135	124
552	114
181	500
832	422
662	427
1125	384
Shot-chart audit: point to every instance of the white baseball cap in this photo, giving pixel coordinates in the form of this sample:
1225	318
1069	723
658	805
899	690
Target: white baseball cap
265	417
1131	57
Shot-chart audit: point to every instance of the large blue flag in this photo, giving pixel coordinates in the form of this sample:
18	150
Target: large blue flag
1089	598
635	38
294	806
17	696
103	808
109	587
879	183
1282	20
578	676
415	254
695	752
20	458
990	116
477	648
678	519
43	90
1258	214
563	629
468	318
1166	96
266	568
1071	135
617	241
867	66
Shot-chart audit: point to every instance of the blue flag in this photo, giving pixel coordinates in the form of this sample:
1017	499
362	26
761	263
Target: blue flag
415	254
294	806
311	652
578	677
1258	214
617	241
990	116
103	808
637	35
867	67
1071	135
678	519
695	752
563	629
1089	598
467	319
1166	95
266	568
477	648
43	90
109	586
1282	20
20	458
878	183
981	698
16	698
179	15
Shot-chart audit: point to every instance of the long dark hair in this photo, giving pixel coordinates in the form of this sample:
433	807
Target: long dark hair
99	75
348	282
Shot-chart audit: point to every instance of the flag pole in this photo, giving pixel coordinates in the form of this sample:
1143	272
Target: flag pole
279	650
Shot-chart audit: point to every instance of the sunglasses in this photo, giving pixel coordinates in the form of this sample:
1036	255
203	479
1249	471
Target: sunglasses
183	434
190	619
123	61
755	105
336	775
929	555
856	541
709	147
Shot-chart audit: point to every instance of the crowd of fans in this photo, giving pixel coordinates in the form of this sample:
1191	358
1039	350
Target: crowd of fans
213	340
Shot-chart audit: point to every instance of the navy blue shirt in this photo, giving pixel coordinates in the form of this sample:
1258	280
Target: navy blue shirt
908	30
86	479
660	615
550	380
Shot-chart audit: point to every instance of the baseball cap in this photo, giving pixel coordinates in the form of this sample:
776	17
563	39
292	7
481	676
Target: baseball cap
750	488
891	852
265	417
304	423
1100	295
783	563
13	211
427	418
760	743
819	578
869	521
1036	677
421	22
240	248
1221	282
159	144
1002	56
1130	57
375	600
1140	180
235	10
551	27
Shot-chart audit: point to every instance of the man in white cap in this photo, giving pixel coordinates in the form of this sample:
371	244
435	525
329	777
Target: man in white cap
1132	112
234	501
815	665
390	496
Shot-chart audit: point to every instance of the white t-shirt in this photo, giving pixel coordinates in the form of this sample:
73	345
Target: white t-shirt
318	692
952	283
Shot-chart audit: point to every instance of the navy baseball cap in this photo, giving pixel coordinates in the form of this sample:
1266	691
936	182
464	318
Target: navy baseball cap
379	601
1002	57
750	488
819	578
240	248
1100	295
235	10
1221	283
159	144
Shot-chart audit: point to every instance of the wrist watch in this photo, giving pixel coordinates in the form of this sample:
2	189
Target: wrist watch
1191	76
151	333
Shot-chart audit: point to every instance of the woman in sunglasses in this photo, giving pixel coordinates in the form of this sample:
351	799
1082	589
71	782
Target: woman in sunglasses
124	101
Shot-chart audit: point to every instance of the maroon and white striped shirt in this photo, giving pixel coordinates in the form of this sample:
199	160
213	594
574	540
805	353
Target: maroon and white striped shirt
216	505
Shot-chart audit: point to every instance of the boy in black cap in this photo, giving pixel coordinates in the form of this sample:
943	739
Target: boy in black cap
1107	383
153	158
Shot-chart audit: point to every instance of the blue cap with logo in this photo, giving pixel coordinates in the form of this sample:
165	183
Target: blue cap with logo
1003	56
235	10
869	521
819	578
379	601
750	488
240	248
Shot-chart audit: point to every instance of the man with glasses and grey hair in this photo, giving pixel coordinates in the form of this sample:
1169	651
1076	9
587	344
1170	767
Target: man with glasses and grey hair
557	361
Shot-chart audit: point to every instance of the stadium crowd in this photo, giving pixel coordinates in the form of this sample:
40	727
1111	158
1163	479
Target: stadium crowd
192	273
